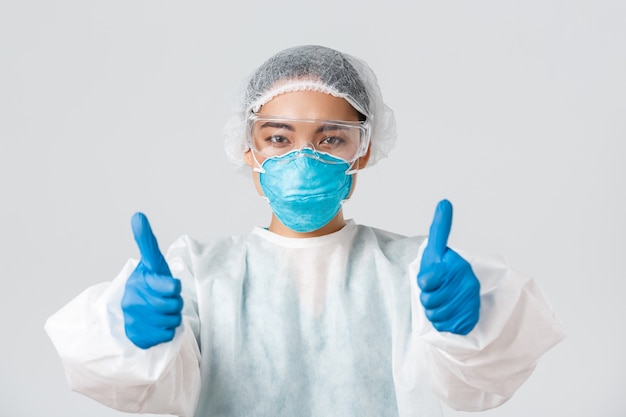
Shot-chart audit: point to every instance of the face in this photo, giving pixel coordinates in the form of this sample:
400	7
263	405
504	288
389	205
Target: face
306	105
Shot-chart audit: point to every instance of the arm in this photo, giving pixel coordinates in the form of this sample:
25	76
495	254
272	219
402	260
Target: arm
101	362
511	324
484	368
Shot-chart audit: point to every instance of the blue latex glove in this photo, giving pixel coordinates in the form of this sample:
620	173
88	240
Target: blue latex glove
450	290
152	303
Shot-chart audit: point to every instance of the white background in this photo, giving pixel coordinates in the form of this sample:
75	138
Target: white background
515	111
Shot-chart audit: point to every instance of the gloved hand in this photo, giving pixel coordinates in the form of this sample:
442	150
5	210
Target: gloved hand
152	303
450	290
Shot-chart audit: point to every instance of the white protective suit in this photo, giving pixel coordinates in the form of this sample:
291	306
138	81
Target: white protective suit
332	325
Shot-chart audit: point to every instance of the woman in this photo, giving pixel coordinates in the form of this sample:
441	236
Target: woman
315	314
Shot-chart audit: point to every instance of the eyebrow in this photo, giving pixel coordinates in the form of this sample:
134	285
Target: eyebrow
327	127
286	126
278	125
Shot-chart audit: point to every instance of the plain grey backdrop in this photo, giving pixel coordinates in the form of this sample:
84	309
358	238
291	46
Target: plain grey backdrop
515	111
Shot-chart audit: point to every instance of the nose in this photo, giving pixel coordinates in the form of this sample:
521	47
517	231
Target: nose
308	146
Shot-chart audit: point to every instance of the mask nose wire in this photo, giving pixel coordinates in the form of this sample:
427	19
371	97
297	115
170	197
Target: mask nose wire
259	167
310	147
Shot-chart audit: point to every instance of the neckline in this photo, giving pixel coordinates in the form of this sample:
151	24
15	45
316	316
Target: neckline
306	242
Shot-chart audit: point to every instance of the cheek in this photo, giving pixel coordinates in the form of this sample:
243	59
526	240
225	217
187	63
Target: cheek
248	158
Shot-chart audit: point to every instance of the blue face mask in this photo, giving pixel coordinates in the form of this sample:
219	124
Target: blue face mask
305	188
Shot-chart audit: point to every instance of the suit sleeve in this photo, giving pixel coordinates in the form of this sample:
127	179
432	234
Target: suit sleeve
517	325
101	363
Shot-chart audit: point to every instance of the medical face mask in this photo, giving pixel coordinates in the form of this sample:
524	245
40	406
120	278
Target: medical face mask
305	188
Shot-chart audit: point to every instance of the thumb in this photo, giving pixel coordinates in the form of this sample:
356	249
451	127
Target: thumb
440	229
151	256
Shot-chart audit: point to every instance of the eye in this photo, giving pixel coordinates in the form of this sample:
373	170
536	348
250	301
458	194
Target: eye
332	141
277	140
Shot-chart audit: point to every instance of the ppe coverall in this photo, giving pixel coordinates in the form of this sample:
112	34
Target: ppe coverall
329	325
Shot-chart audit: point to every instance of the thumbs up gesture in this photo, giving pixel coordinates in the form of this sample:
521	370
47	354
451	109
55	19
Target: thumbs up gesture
152	303
450	290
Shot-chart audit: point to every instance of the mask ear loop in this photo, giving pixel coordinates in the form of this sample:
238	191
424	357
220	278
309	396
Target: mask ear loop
352	169
259	168
354	166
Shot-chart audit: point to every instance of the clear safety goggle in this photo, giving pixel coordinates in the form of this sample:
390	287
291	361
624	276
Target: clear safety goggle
272	136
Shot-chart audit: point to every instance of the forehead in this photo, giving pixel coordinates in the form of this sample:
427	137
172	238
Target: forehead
309	105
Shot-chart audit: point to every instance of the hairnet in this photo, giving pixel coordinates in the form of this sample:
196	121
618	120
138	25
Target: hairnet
314	68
